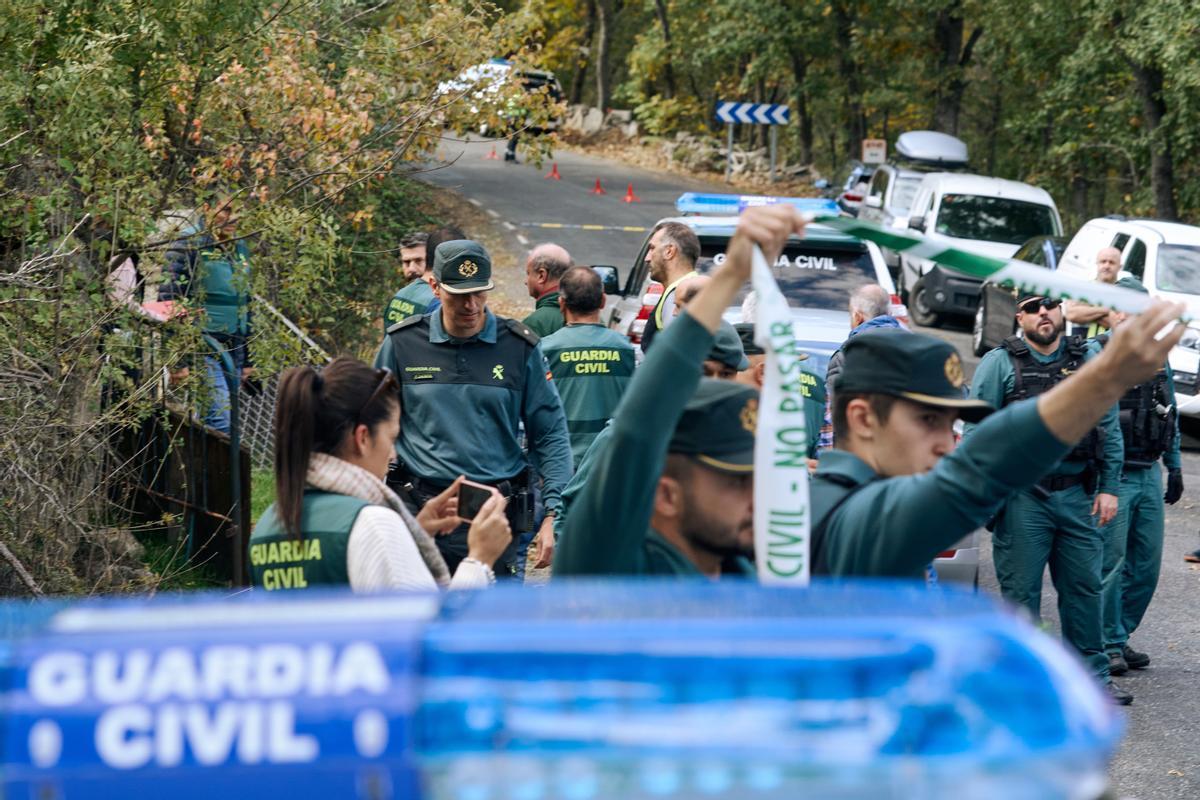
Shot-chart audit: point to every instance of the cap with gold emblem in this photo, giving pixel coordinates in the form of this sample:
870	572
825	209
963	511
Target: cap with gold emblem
462	266
717	426
909	365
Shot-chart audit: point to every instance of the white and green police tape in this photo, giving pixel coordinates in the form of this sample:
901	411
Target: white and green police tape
781	524
1022	275
781	507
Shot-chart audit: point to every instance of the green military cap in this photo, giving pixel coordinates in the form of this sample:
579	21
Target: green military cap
462	266
914	366
745	332
717	426
727	348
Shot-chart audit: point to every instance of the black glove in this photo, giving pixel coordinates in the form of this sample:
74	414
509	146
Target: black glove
1174	486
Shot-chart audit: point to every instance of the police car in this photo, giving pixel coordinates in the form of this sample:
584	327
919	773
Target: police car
817	274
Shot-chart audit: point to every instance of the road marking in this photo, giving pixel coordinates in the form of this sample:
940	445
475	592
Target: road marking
474	202
509	226
557	225
522	240
492	214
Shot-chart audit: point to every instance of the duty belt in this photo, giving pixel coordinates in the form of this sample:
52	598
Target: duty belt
1056	483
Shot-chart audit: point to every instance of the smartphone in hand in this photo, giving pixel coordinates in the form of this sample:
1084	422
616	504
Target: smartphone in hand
471	497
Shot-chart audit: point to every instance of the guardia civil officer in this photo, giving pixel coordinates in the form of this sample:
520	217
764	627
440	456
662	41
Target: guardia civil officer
885	503
469	379
591	364
416	297
334	520
1133	540
1056	521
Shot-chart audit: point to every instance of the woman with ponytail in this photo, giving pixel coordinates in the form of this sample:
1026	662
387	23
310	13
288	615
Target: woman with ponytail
334	520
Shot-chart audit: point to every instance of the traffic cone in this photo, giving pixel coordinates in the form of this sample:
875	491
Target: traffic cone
492	155
597	189
553	174
630	197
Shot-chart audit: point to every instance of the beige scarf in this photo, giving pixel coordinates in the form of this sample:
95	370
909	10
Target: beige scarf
331	474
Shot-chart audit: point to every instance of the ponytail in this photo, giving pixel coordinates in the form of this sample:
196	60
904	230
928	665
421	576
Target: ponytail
314	411
295	417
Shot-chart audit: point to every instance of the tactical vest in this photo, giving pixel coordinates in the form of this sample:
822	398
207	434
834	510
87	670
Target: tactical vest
318	557
478	363
1032	378
225	276
1147	414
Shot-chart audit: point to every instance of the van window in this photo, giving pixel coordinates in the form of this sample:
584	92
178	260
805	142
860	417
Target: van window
1135	260
879	183
1178	268
904	193
993	219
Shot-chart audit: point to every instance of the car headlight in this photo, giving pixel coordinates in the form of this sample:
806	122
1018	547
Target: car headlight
1191	339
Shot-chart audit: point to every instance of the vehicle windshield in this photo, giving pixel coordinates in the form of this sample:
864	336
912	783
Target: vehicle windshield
810	276
993	219
903	194
1179	268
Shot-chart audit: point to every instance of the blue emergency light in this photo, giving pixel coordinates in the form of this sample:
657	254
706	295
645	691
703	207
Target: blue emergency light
729	204
579	690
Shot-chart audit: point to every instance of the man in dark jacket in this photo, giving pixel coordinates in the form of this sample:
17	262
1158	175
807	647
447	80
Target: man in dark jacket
210	266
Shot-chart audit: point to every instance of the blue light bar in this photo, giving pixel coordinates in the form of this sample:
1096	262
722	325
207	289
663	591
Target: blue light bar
704	203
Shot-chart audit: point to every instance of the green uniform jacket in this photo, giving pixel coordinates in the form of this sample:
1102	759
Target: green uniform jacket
994	380
412	299
463	402
546	317
894	527
318	557
608	529
591	366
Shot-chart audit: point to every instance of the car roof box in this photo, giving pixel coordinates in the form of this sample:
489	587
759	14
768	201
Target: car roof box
932	147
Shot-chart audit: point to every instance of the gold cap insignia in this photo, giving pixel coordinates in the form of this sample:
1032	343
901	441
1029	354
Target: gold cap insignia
749	415
954	371
467	269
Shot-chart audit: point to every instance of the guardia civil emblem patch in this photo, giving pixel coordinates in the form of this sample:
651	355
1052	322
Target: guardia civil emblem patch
749	415
468	269
954	371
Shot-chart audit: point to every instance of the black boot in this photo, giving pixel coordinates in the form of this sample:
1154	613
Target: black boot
1134	659
1117	664
1118	695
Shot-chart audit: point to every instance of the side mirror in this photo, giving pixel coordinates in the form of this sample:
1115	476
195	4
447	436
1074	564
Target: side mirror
874	201
917	223
610	277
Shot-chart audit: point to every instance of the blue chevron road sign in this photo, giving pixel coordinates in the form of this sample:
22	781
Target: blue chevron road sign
753	113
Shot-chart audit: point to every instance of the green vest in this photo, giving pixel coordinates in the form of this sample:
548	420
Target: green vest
226	280
411	300
591	367
277	561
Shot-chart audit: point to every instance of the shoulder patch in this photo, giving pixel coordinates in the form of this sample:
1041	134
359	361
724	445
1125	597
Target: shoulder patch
523	331
405	323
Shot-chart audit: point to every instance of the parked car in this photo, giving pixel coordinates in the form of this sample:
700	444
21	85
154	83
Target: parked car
1165	257
817	275
852	190
996	314
894	185
482	83
991	216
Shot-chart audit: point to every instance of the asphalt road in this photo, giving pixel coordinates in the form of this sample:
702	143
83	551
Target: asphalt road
1160	756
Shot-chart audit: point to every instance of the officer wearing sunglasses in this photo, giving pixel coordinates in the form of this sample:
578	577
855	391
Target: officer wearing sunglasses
1057	521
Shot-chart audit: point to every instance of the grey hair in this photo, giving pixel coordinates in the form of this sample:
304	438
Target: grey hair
871	300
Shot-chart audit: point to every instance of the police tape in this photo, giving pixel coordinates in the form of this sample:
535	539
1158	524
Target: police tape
1023	276
570	226
781	508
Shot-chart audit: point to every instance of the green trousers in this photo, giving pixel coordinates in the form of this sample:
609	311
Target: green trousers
1060	531
1133	544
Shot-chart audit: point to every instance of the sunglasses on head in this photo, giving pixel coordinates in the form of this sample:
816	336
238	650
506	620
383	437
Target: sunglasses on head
1032	306
386	379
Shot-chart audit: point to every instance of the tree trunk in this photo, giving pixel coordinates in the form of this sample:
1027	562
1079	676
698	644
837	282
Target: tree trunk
993	134
604	26
952	60
853	119
1162	166
660	9
803	118
585	51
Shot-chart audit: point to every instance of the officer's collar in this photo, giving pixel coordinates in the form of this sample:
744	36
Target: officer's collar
438	335
846	465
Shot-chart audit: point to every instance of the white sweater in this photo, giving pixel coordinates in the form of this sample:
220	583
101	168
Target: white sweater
381	555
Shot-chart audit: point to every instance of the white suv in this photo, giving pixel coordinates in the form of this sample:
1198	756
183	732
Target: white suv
1165	257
